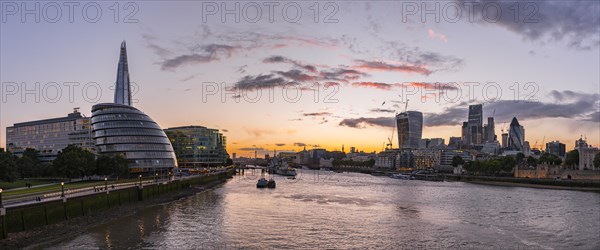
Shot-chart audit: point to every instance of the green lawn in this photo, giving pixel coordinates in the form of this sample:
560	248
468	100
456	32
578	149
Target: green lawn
21	183
56	187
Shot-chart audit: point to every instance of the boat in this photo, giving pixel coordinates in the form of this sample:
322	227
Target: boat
281	167
401	176
262	183
271	183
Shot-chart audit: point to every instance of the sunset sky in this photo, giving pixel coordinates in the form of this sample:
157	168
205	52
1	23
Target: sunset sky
362	58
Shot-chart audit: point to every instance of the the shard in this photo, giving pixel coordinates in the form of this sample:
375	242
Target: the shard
122	86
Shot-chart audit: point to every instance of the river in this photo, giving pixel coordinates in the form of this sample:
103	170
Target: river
327	210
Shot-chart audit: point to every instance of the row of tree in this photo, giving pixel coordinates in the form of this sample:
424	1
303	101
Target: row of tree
70	162
505	164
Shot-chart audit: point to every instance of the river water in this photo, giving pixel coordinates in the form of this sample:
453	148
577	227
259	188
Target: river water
327	210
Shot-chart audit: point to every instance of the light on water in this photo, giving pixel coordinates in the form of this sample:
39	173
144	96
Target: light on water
324	210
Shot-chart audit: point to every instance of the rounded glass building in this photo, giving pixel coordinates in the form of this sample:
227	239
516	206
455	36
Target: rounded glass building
124	130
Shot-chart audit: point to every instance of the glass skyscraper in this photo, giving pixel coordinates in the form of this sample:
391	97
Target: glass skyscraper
410	129
120	129
516	136
475	124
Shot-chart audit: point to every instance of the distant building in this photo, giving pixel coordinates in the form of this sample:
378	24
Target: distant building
410	129
464	136
586	154
432	143
475	123
387	159
516	136
197	146
490	130
504	140
50	136
556	148
454	141
426	158
447	155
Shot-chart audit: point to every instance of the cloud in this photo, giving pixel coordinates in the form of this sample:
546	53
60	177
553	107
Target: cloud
262	82
280	144
300	144
342	74
384	66
380	110
297	75
433	35
281	59
376	85
225	130
363	122
317	114
209	53
573	21
252	149
433	85
404	54
257	132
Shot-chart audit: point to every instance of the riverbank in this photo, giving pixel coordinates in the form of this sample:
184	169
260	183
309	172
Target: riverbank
48	235
579	185
527	185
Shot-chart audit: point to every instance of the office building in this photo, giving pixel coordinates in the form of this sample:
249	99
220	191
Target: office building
556	148
120	129
410	129
490	130
516	136
50	136
475	124
197	146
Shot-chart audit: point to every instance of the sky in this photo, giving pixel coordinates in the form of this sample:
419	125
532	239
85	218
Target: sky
315	74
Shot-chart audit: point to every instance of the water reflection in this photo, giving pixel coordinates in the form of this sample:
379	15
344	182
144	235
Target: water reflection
332	210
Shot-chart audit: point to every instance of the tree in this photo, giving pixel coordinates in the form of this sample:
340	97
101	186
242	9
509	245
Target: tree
112	165
457	160
520	157
597	160
572	158
25	166
531	161
550	159
74	161
8	167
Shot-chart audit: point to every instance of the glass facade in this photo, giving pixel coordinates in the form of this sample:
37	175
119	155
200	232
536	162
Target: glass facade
127	131
516	136
410	129
197	146
50	136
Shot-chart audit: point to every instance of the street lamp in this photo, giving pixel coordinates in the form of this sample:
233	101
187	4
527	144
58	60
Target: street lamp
1	206
62	189
140	180
106	184
156	177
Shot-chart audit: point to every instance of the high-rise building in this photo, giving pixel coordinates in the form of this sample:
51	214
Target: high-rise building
120	129
123	86
490	130
197	146
504	140
475	123
516	136
50	136
410	129
556	148
464	135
